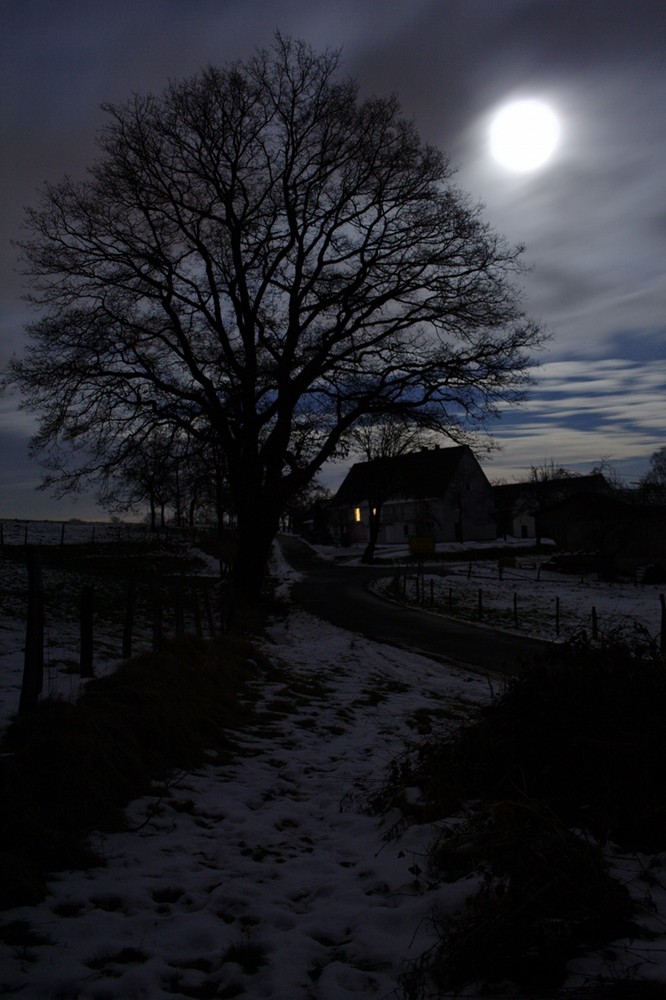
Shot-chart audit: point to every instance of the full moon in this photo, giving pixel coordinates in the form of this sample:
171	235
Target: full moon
524	135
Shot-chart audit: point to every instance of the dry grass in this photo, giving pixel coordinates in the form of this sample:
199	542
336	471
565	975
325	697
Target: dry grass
68	769
569	756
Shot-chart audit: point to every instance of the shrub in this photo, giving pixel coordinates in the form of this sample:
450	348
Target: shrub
583	734
545	894
571	754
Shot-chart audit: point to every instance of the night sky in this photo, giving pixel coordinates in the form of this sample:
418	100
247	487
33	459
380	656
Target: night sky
593	216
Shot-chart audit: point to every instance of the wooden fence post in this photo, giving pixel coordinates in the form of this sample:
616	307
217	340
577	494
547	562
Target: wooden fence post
33	662
87	610
209	612
179	610
196	609
595	623
480	605
128	626
157	615
557	616
515	609
662	643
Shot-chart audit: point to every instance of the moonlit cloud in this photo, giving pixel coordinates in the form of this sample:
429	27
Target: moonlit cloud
593	219
582	412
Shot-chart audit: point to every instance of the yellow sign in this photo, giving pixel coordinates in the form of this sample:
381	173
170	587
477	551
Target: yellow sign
421	546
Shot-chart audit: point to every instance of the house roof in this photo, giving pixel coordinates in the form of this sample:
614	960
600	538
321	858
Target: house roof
632	502
417	475
547	491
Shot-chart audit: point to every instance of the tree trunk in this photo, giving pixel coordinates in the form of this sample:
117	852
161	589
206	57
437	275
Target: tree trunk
258	524
373	534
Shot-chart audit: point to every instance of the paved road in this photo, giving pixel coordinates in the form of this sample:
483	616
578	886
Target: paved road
339	594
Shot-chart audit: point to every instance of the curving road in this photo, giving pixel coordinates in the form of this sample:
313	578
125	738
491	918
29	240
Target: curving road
340	595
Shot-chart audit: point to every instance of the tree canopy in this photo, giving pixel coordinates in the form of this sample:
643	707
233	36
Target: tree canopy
262	258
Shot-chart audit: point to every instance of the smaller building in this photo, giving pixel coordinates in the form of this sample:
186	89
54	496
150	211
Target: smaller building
439	493
522	508
621	528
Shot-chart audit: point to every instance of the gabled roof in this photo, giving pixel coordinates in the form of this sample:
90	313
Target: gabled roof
417	475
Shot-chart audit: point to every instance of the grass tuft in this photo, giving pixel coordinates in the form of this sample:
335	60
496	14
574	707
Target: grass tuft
545	894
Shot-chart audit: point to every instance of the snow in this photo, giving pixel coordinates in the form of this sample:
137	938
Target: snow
265	875
537	590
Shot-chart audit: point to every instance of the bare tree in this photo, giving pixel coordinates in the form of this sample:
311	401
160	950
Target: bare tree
653	483
380	440
606	469
145	476
261	257
168	472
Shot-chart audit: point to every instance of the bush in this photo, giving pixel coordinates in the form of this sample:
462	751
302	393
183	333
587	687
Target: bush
584	734
570	755
545	893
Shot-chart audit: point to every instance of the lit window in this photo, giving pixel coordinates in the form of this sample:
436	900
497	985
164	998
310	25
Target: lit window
357	514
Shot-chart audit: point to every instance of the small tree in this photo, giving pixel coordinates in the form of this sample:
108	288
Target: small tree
261	259
547	485
653	483
167	471
379	441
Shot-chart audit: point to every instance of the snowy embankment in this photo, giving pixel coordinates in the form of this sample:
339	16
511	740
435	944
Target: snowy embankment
264	876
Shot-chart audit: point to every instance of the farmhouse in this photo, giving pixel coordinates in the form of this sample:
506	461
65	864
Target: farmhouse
439	493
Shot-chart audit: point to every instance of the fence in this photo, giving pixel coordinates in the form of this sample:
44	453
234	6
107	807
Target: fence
169	606
470	601
15	531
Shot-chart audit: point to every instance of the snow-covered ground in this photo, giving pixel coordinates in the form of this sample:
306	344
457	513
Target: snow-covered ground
264	876
62	592
533	599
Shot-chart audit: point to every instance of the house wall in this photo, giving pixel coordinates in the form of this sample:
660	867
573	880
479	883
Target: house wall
463	510
466	512
523	526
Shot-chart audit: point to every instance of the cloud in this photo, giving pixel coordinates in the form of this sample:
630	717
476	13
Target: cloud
593	222
583	411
